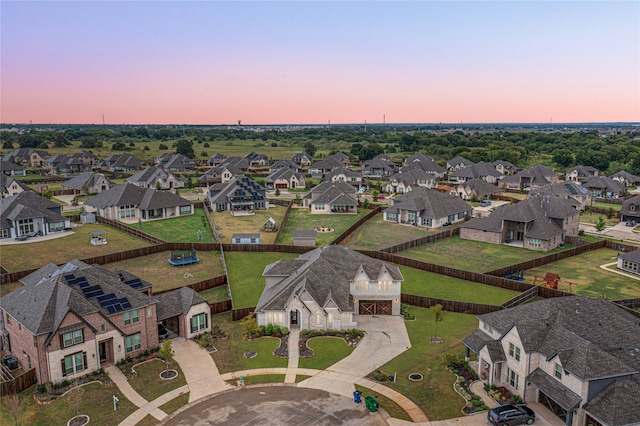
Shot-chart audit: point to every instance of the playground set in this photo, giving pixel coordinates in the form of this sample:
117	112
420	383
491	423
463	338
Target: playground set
550	279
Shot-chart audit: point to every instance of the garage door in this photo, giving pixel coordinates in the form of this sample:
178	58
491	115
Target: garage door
281	185
375	307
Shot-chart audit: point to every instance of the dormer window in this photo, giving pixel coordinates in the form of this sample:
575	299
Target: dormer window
558	371
632	207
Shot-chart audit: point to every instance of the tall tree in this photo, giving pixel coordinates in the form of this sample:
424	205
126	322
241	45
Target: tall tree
185	147
309	148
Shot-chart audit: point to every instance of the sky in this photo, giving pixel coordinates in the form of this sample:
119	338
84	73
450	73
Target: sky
315	62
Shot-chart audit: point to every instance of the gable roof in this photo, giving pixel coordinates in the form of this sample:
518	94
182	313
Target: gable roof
177	302
626	176
604	183
28	205
236	187
152	175
86	179
633	256
342	171
128	194
614	406
285	174
481	187
626	206
332	192
477	170
7	181
459	161
429	203
9	165
124	160
537	175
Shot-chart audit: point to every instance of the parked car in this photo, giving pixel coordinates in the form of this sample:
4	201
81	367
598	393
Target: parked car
163	333
631	223
444	225
485	203
511	415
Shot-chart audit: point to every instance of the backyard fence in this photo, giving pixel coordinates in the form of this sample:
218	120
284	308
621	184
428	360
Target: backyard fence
614	245
421	241
523	297
600	210
238	314
284	220
200	285
340	238
220	307
129	230
449	305
69	191
611	200
18	384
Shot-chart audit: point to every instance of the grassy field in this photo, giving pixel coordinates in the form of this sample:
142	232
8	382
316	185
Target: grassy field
95	401
469	255
19	257
591	218
216	294
301	219
245	275
435	394
229	355
183	229
147	381
591	280
156	269
377	234
427	284
615	207
230	225
328	351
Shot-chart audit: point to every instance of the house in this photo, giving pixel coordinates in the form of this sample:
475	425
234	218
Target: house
577	194
256	160
630	262
322	167
71	320
457	163
175	162
64	164
324	288
88	158
407	179
88	183
331	197
630	209
27	157
12	169
285	178
536	223
245	238
216	159
342	174
158	178
221	174
9	186
481	170
580	173
505	167
577	356
475	189
304	238
270	225
379	166
341	157
626	178
129	203
239	196
302	159
605	187
426	163
427	208
284	164
121	163
27	213
184	312
532	178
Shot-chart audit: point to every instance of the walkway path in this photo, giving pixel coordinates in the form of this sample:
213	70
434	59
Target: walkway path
607	266
294	355
145	406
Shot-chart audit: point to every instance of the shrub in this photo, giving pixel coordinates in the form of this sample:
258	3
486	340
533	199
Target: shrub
284	331
268	330
146	147
304	332
163	147
277	329
41	388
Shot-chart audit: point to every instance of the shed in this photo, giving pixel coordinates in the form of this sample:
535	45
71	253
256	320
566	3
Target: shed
304	238
87	217
270	225
245	239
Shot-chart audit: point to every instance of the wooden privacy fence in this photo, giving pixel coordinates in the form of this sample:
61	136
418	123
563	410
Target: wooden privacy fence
600	210
449	305
421	241
340	238
220	307
238	314
133	231
18	384
613	245
201	285
284	220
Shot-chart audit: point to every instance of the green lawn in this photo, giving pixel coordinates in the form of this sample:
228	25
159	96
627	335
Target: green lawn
615	207
229	225
263	378
591	280
9	287
95	401
175	404
183	229
19	257
301	219
147	381
245	275
591	218
475	256
392	408
435	394
377	234
428	284
216	294
157	270
328	351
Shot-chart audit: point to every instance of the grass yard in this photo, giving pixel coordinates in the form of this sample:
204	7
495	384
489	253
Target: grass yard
20	257
175	404
253	224
147	381
591	218
377	234
615	207
435	394
156	269
9	287
183	229
229	355
328	351
96	401
591	280
517	196
245	275
216	294
392	408
422	283
475	256
301	219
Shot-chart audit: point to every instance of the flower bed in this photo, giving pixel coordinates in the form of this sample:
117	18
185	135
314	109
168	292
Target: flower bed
125	365
502	395
351	337
465	375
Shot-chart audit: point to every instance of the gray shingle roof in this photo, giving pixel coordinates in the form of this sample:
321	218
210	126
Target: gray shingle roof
633	256
177	302
28	205
559	393
86	179
128	194
604	183
618	404
430	203
326	192
478	170
481	188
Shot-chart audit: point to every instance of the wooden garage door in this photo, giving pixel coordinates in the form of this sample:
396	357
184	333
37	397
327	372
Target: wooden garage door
281	185
375	307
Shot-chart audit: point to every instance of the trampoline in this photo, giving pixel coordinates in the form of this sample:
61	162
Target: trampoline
183	257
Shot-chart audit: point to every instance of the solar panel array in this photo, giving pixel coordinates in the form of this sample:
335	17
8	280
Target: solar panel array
110	302
571	189
134	283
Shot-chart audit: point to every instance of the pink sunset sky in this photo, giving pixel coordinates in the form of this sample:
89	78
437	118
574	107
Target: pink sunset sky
310	62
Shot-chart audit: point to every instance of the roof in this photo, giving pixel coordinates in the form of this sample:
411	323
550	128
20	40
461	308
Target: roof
558	392
236	187
123	160
331	193
85	180
537	175
459	160
429	203
583	171
284	173
324	274
7	181
128	194
343	171
304	234
626	206
626	176
478	170
284	163
481	187
177	302
604	183
9	165
633	256
618	404
152	175
28	205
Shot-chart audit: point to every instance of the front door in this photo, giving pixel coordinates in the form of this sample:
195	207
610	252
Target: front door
294	317
105	351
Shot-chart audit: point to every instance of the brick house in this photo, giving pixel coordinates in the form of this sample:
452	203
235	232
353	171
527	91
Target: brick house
532	178
331	197
630	209
155	177
285	178
427	208
9	186
580	173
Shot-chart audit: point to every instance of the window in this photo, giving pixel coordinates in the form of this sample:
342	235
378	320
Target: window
253	241
127	211
103	328
451	217
488	328
35	341
274	318
513	378
558	372
318	319
535	242
25	226
8	319
426	221
392	216
132	342
385	285
362	285
185	210
461	215
514	351
631	266
4	233
74	363
632	207
72	338
199	322
411	216
56	227
318	206
131	317
149	313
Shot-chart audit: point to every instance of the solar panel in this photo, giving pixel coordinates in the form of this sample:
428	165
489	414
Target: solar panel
106	297
69	277
126	305
94	293
89	289
111	309
134	283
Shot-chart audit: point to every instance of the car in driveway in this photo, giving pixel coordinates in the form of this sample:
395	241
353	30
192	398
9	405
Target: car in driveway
511	415
163	333
631	222
485	203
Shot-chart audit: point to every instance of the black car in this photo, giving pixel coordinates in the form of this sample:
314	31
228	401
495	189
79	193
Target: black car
511	415
163	333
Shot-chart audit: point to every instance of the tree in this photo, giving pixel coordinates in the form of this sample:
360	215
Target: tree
610	213
185	147
277	192
437	311
563	157
78	393
7	145
163	147
189	182
166	352
75	201
249	329
14	402
309	148
600	224
158	185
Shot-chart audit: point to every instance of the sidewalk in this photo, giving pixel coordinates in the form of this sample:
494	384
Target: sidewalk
145	407
294	355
